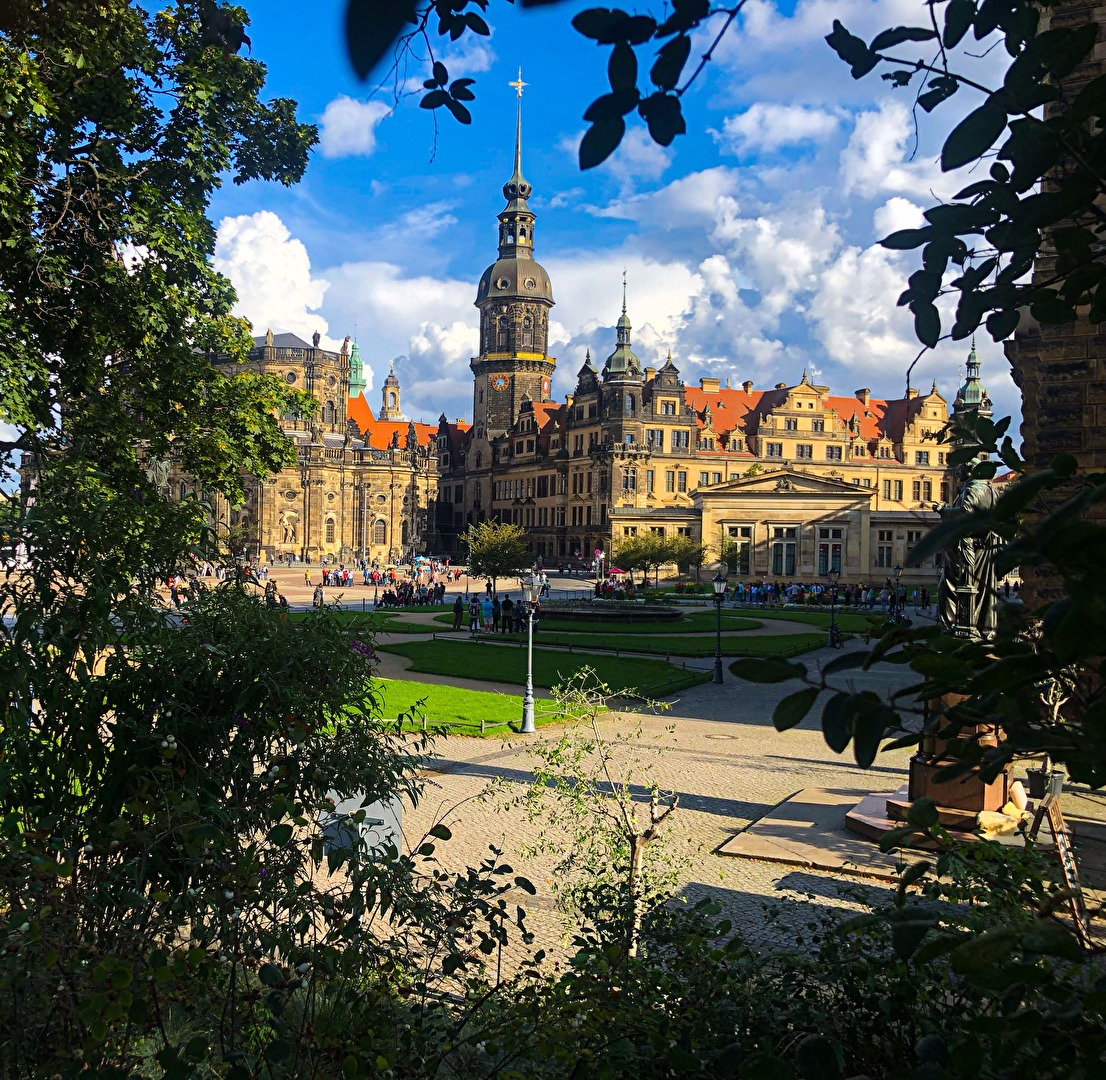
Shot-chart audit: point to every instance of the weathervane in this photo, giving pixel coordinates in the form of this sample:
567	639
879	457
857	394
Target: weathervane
518	84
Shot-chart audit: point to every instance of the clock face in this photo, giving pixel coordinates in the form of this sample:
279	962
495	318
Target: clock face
499	382
545	387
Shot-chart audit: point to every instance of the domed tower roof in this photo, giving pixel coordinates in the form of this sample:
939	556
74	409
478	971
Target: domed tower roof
973	394
623	361
516	274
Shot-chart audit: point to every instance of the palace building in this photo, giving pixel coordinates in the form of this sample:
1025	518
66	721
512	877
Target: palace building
795	479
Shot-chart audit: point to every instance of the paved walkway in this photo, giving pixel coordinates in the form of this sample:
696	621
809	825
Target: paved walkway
716	747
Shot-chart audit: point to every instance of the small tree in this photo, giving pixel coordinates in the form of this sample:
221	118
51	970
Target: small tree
649	552
497	550
684	551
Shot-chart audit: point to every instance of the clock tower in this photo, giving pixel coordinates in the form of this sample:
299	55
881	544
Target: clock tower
514	297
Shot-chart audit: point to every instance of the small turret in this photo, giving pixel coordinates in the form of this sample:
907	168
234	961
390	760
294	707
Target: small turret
389	397
357	384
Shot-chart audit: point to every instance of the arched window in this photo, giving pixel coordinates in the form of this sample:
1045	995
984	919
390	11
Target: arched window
330	530
403	533
329	412
392	398
502	332
380	532
630	405
183	491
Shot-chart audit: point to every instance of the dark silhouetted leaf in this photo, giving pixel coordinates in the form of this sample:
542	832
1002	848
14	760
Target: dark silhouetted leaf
441	75
837	717
958	20
670	62
927	323
622	67
372	28
441	831
816	1058
600	141
769	670
434	100
973	136
905	239
888	39
610	106
664	117
852	50
791	710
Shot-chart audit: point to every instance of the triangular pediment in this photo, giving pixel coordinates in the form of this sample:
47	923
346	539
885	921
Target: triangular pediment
786	481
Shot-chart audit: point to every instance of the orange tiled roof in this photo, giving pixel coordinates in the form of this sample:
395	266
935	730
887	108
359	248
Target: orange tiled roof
380	433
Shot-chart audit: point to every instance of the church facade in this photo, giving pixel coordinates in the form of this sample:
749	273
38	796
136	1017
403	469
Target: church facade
792	480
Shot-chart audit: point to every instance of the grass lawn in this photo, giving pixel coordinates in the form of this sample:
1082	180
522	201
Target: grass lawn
498	663
692	623
453	709
686	645
847	620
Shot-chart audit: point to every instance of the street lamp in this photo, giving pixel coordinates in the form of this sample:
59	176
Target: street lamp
719	583
895	603
833	575
530	586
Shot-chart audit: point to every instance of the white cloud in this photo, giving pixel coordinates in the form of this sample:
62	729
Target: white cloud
875	159
638	160
897	213
272	275
768	126
689	201
348	127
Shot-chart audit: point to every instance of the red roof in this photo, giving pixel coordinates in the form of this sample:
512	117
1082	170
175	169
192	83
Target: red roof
380	434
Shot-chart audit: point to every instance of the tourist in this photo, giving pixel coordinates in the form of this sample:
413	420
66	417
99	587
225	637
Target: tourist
487	612
317	598
497	610
508	614
474	616
458	612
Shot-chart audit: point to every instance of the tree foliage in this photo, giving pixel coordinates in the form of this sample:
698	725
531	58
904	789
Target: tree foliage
120	124
497	550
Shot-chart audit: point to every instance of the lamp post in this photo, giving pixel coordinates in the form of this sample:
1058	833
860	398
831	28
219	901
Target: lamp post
719	583
530	586
832	575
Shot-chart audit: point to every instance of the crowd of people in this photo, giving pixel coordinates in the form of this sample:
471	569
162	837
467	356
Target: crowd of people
488	614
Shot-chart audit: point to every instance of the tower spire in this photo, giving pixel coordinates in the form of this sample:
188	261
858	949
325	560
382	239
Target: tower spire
623	292
517	187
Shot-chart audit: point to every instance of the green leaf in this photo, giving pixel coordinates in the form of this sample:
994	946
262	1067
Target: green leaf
440	74
372	29
906	239
440	831
279	835
598	24
837	721
816	1058
600	141
460	113
526	885
791	710
270	975
611	106
434	100
922	813
907	935
764	1066
973	136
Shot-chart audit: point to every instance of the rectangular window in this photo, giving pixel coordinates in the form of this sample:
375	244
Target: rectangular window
941	457
773	449
898	491
681	481
587	514
885	452
704	479
921	457
650	478
927	490
681	440
668	408
791	425
562	485
833	453
629	530
883	555
818	425
459	493
588	484
629	480
655	437
716	478
913	536
783	550
543	487
669	480
804	451
887	489
916	490
559	516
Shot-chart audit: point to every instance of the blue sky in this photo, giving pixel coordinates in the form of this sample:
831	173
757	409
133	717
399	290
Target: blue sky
750	245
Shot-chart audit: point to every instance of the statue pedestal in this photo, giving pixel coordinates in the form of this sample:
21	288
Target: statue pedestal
960	800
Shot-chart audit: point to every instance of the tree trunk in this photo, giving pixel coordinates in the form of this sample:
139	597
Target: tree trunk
637	857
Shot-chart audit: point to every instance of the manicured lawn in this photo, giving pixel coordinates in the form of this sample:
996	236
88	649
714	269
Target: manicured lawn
687	645
507	664
846	620
693	623
453	709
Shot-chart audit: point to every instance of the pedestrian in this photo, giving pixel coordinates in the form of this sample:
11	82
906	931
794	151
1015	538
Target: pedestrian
487	611
307	577
497	611
474	616
458	612
317	597
508	614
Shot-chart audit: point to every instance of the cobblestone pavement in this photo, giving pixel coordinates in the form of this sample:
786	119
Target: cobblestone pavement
716	748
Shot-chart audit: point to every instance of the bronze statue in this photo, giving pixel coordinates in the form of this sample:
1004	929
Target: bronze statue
967	601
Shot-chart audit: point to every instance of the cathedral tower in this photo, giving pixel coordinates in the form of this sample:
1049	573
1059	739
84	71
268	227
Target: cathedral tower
514	297
389	397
